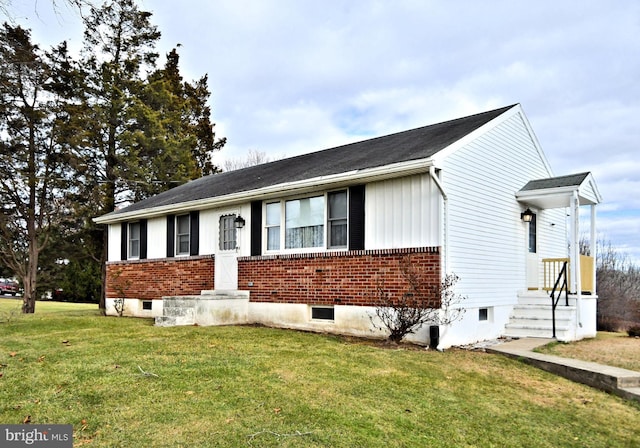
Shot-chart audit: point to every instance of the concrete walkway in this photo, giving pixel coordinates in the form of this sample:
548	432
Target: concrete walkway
622	382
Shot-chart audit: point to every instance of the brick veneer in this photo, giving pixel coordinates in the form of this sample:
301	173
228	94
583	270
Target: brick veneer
345	278
153	279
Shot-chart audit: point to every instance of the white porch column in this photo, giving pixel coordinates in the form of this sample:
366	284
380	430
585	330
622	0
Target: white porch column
594	247
575	256
574	243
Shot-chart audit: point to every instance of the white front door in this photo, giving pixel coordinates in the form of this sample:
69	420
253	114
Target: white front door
533	260
226	259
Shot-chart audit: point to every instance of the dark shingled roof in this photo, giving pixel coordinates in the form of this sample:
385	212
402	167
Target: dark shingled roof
571	180
404	146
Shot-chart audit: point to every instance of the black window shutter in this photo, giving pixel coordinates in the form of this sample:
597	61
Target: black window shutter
171	235
143	239
256	228
124	241
356	217
194	233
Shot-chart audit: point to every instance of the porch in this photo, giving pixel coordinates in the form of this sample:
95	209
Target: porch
560	299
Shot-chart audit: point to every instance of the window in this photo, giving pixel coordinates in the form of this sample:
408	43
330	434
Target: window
483	314
134	240
304	223
532	235
337	219
322	313
273	226
147	305
228	232
182	235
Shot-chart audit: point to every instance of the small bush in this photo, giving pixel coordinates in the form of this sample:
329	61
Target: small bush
422	303
634	332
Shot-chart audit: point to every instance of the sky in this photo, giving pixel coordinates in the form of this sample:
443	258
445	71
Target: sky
294	76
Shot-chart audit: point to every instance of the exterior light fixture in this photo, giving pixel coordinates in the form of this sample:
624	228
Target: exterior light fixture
239	221
527	215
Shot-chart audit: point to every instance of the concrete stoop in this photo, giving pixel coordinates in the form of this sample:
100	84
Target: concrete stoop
622	382
532	317
177	311
215	307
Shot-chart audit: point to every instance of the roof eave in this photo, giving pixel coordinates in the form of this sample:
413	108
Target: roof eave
548	198
278	190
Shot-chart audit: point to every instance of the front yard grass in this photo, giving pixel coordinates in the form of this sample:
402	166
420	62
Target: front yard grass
613	349
124	382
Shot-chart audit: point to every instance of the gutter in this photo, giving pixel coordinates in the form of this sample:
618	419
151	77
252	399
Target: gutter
445	224
288	188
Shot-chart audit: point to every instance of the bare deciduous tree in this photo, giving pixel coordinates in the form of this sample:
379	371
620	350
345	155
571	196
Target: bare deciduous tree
618	286
253	158
422	303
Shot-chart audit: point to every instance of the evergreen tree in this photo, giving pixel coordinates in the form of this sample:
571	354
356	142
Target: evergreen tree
34	174
172	139
136	135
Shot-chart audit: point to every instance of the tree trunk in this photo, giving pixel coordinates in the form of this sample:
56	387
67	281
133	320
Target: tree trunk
29	297
103	274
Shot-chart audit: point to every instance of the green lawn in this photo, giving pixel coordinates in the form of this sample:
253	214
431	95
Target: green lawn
251	386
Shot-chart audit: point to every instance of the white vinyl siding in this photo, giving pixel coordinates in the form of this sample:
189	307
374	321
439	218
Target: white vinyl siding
402	213
487	239
209	221
157	237
114	239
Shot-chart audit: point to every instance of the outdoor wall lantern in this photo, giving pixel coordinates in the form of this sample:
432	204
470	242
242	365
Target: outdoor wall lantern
527	215
239	221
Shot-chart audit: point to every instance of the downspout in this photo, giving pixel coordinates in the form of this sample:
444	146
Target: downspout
445	224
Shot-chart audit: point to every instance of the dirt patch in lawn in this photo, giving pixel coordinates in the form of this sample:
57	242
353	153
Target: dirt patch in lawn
613	349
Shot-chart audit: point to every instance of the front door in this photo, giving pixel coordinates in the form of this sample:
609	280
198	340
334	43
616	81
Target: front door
226	260
533	261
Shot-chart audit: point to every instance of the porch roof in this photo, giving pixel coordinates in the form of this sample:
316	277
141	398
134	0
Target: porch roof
556	192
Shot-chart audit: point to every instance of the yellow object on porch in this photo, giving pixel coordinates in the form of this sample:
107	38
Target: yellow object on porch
553	266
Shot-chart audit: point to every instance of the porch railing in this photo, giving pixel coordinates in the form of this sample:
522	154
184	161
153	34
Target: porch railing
552	266
560	286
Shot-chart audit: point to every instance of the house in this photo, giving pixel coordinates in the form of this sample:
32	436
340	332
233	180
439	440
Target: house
304	242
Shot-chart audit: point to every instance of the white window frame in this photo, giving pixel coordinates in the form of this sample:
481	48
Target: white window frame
269	226
178	235
130	240
331	220
282	225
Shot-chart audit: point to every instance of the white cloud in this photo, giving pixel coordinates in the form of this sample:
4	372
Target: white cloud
289	77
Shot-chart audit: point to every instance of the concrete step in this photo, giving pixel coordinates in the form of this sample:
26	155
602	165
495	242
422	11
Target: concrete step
630	393
541	330
542	299
541	321
178	302
165	321
543	311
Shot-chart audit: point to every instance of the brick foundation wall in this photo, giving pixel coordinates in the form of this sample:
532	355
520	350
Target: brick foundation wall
342	278
153	279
